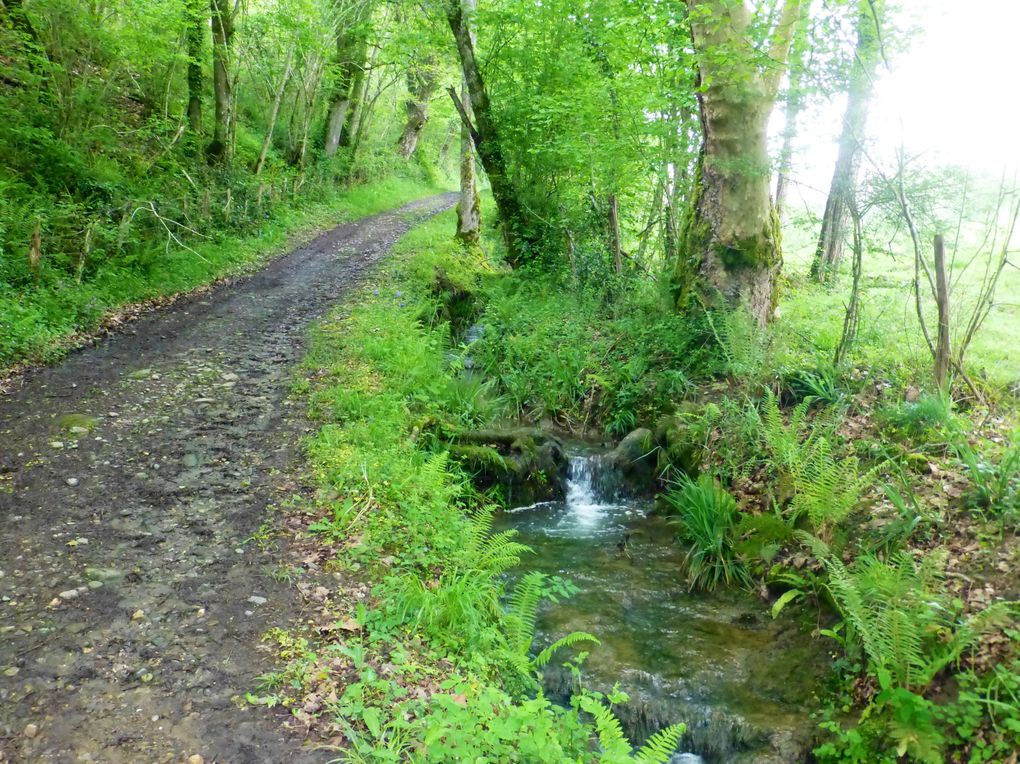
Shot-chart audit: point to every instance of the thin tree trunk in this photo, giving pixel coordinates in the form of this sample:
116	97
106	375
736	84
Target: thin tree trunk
469	210
614	233
366	104
942	345
654	212
221	148
730	243
829	251
309	88
274	112
851	320
195	37
453	131
484	134
422	82
794	104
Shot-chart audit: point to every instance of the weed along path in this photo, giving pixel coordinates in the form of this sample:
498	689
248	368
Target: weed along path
133	478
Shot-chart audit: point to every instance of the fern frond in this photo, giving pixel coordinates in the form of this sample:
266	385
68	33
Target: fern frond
613	742
522	610
661	746
573	638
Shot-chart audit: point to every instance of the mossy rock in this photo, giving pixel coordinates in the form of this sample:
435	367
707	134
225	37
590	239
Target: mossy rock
77	422
528	463
918	463
634	459
458	305
679	447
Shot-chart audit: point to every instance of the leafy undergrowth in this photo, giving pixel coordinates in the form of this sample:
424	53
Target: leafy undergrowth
417	649
43	318
893	514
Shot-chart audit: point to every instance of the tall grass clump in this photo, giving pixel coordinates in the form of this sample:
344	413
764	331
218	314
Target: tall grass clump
705	517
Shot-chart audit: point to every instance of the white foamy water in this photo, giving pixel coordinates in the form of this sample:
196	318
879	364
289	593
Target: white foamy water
586	511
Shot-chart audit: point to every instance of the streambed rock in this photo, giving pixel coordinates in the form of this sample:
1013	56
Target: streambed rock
527	461
634	459
641	457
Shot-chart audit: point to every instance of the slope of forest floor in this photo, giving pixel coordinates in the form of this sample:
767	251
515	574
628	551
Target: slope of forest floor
134	480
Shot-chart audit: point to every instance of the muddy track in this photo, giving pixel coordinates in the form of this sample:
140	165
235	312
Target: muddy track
133	477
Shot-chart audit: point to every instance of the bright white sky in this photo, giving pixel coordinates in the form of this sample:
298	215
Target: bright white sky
954	94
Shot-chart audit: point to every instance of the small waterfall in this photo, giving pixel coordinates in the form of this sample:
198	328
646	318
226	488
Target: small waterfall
590	489
592	481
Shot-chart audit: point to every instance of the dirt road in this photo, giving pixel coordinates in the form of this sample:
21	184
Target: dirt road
133	478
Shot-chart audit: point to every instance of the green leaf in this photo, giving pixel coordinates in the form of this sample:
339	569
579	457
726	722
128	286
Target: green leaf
371	718
785	599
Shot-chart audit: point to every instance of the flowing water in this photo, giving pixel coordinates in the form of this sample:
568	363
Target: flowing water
740	681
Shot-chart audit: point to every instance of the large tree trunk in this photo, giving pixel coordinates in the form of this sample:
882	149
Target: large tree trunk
469	207
484	134
730	244
829	251
351	50
196	25
221	148
421	86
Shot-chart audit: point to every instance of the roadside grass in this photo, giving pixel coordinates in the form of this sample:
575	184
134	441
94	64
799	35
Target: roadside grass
43	321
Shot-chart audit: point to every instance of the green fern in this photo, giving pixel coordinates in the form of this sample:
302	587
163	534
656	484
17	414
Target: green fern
522	611
616	749
783	441
742	344
464	599
661	746
826	490
573	638
612	741
492	553
899	614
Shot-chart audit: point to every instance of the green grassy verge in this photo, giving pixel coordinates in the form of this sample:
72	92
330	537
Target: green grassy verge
40	322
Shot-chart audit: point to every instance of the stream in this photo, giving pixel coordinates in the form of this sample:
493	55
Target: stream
740	681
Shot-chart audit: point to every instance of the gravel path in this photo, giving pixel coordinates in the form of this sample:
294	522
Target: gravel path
134	478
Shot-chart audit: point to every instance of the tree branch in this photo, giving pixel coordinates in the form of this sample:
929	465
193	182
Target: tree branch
779	46
464	118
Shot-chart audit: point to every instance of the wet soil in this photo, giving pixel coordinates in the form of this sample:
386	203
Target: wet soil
136	480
